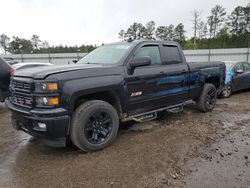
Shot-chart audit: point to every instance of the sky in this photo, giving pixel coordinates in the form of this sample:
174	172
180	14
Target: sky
77	22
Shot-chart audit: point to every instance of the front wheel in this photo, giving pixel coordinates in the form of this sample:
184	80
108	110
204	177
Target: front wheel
94	125
226	91
207	100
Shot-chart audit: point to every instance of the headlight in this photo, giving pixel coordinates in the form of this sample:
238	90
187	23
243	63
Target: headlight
46	87
47	101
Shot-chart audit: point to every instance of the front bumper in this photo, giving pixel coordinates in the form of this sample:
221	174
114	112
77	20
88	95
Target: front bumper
56	121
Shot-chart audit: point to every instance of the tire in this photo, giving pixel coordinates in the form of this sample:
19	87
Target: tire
208	98
226	91
94	125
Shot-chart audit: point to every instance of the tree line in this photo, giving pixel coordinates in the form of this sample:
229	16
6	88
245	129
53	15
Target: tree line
219	30
35	45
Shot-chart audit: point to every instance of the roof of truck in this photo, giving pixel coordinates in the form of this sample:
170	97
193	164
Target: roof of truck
143	41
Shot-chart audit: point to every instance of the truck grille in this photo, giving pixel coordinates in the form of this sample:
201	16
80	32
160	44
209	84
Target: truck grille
21	85
21	93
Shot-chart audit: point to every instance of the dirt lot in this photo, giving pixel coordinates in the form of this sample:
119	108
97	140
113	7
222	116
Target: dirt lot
188	149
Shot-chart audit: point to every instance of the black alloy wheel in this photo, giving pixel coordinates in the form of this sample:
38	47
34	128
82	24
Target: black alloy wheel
98	127
211	98
94	125
207	100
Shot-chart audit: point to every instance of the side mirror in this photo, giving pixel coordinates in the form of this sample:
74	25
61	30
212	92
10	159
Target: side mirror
140	61
74	61
239	71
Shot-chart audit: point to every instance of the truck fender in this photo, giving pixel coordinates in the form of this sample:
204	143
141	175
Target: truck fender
77	88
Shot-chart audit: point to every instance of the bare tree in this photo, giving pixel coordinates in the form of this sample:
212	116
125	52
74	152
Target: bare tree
196	21
202	30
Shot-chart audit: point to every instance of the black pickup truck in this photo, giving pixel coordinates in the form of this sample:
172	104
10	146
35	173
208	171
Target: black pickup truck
118	82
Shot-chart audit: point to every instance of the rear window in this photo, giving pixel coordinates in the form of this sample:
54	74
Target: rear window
172	55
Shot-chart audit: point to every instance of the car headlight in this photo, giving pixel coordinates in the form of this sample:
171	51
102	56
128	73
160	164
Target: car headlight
46	87
47	101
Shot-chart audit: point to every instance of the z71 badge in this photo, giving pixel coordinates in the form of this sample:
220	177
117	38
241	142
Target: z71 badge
134	94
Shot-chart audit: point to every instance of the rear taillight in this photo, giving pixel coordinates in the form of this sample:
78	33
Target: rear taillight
11	71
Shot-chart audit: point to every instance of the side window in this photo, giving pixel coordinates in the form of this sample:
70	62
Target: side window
171	54
237	67
246	67
151	51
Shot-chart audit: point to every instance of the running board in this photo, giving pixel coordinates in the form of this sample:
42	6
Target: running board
151	115
176	109
145	118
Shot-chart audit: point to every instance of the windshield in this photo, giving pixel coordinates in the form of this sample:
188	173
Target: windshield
109	54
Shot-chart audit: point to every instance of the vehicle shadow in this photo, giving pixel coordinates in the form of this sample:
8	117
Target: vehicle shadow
3	109
35	146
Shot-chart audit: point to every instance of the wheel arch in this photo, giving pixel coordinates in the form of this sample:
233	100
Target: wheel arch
215	80
112	97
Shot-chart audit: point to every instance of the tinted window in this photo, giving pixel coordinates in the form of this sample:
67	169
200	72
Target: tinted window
150	51
237	67
246	67
172	54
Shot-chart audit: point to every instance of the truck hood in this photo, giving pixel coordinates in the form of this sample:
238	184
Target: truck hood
43	72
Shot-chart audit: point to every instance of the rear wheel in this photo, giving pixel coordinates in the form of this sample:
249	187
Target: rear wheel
227	91
208	98
94	125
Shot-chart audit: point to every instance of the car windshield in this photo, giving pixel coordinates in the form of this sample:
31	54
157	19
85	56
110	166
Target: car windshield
107	54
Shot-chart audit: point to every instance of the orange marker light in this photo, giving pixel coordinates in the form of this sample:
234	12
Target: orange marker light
53	101
52	87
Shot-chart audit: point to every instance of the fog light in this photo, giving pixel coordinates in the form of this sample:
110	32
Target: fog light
38	126
41	125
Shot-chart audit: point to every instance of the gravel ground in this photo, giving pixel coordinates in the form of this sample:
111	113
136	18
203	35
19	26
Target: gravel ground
187	149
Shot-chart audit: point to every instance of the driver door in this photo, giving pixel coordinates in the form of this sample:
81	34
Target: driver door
142	83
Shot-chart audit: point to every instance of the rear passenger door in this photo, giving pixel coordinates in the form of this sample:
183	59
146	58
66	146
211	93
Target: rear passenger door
163	83
176	75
